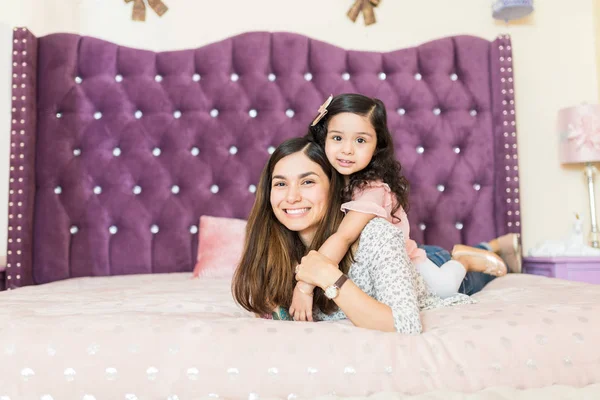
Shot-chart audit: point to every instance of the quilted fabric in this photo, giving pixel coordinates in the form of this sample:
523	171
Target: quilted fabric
133	146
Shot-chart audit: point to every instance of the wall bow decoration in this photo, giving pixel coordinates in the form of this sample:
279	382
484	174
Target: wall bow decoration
367	8
139	8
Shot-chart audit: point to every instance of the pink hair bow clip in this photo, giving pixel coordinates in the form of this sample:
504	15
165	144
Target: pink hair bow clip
322	110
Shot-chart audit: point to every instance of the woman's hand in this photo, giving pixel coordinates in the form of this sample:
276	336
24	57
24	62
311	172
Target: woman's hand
302	303
317	270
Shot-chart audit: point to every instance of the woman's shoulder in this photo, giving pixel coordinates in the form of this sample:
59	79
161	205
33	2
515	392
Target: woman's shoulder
380	230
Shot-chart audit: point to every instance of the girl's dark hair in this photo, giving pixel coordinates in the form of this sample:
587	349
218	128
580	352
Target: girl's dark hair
383	165
264	277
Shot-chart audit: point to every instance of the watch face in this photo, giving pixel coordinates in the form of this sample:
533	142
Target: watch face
331	292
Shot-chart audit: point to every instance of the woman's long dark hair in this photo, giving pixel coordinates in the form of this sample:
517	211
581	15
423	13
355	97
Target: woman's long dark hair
383	166
264	278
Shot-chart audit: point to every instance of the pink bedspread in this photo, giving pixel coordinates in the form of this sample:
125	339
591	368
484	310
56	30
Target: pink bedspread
169	337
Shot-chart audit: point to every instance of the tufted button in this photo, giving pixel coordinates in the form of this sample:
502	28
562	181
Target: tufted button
271	77
440	188
401	111
76	152
422	226
78	79
195	151
473	112
382	76
437	111
252	189
97	189
138	114
193	229
156	152
58	115
290	113
418	76
346	76
74	229
174	189
456	149
196	77
214	189
214	113
453	77
308	76
459	225
477	186
271	149
233	150
97	115
58	190
116	152
113	229
137	189
234	77
177	114
420	149
154	229
119	78
158	78
253	113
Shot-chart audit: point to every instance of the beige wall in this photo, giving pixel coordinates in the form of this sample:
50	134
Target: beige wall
555	65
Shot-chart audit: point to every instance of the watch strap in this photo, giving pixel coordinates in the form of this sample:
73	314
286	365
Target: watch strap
340	282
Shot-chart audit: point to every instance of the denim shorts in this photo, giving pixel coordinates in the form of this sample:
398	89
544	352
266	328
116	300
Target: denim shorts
473	282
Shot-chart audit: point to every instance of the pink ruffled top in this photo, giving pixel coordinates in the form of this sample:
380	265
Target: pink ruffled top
377	198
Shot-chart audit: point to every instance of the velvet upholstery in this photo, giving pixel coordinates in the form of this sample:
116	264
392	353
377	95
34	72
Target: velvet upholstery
122	150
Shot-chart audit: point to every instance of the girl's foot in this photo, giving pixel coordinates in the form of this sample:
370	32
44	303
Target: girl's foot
508	247
479	260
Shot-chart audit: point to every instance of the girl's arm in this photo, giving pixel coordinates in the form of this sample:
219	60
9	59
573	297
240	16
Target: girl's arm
337	245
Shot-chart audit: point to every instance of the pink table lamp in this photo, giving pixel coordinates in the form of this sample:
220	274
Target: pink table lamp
579	130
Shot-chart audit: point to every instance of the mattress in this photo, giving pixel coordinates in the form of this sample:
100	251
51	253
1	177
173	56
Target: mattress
166	336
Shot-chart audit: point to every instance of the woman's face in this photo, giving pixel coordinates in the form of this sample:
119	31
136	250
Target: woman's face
299	194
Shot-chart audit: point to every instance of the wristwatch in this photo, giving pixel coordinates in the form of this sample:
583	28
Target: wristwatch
331	292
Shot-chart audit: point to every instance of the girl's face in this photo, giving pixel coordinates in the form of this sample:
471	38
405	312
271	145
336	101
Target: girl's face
299	194
350	143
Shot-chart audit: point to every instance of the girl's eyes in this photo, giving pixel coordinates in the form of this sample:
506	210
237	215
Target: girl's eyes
361	140
336	138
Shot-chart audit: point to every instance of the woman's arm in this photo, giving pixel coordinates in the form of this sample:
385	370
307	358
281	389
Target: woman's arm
395	304
360	308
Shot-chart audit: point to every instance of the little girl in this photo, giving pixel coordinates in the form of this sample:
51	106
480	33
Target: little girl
353	130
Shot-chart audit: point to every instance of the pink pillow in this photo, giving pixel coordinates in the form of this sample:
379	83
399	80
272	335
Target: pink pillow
220	246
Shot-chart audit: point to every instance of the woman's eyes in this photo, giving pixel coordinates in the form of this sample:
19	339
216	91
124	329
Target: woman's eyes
308	182
278	184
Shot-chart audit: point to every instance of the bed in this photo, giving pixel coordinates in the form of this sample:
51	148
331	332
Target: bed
116	153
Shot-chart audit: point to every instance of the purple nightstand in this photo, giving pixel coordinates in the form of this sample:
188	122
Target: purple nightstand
581	269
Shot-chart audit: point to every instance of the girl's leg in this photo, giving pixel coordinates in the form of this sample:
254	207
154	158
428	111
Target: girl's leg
479	260
473	281
444	280
436	254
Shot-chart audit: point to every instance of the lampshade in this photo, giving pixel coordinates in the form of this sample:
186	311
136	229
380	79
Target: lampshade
511	9
579	132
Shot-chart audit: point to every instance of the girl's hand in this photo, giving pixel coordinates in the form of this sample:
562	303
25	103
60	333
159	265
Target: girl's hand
301	308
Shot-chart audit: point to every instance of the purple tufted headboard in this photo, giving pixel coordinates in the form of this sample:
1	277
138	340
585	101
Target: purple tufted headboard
117	152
